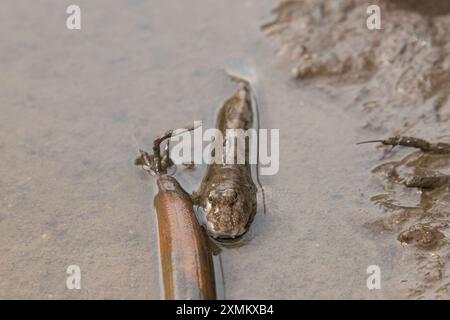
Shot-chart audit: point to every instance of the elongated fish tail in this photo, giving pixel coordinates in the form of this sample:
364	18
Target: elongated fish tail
239	79
244	73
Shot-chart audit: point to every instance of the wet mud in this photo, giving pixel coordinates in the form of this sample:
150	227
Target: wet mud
397	79
76	107
401	70
419	217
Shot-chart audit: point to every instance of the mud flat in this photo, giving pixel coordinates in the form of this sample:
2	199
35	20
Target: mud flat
397	78
70	194
401	70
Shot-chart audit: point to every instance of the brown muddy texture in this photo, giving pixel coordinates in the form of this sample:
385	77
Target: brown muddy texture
402	70
398	78
420	217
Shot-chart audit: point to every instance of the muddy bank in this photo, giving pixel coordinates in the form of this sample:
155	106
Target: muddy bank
401	71
420	217
397	79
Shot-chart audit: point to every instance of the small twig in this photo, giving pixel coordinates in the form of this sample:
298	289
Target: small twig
153	162
404	141
370	141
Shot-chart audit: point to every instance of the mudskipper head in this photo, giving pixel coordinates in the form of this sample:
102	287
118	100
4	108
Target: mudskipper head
229	210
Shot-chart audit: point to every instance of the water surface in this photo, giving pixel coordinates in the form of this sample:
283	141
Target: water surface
76	105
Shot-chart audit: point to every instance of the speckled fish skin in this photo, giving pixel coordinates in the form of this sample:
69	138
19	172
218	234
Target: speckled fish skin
227	192
186	261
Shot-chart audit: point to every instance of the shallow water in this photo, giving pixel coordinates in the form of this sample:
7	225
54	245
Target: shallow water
399	78
75	106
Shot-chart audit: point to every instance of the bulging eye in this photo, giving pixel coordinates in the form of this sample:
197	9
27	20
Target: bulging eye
233	196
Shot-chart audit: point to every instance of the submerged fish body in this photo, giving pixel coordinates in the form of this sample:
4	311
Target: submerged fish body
228	193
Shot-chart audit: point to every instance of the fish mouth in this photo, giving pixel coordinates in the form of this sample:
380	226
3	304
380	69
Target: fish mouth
226	236
229	240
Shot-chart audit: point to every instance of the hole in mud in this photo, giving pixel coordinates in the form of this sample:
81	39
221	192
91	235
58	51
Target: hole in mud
427	8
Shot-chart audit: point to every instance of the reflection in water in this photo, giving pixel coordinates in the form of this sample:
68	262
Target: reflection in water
420	217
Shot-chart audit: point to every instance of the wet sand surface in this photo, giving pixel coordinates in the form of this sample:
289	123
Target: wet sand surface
75	106
398	77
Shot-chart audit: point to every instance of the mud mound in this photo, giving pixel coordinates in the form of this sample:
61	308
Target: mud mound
399	78
429	8
402	67
421	220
